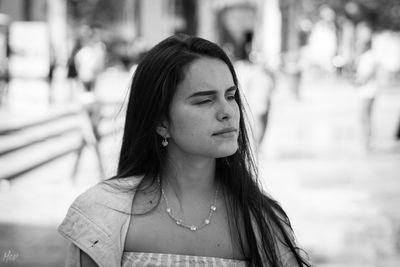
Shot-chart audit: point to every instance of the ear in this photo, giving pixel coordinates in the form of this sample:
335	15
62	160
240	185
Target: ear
162	129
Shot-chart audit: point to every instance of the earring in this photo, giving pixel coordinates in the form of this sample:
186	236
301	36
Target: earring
164	142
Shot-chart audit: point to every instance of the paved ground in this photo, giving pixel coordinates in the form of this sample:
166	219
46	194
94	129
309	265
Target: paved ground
342	199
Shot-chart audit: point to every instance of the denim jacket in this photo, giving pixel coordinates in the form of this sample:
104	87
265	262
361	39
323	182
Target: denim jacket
97	223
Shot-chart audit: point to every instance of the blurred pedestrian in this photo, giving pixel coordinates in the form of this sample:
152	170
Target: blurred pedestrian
90	61
367	86
186	190
293	66
5	54
89	122
72	72
4	81
257	83
322	45
50	74
86	63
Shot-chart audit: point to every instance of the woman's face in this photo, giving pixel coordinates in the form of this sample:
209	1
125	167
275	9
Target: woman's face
204	115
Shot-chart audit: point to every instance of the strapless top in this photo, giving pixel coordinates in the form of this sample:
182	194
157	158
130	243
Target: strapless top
142	259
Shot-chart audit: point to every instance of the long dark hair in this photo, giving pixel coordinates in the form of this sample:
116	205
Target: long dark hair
153	86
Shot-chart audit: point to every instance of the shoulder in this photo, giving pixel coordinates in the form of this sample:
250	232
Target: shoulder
97	219
114	193
106	199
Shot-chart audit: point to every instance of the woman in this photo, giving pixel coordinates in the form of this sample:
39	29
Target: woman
185	192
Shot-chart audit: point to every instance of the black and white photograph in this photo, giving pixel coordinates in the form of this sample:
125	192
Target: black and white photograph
205	133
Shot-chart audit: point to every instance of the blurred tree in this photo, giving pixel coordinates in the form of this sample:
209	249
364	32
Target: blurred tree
187	9
96	13
107	12
112	19
80	11
27	10
380	14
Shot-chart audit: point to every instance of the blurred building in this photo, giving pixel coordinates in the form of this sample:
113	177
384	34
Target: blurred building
25	10
273	22
228	21
36	29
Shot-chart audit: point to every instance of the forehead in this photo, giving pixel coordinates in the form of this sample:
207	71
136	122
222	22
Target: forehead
206	74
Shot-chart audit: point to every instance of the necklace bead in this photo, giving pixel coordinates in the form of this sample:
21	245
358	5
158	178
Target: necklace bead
180	223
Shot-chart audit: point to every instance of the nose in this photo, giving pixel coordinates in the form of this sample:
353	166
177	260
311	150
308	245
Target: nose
226	111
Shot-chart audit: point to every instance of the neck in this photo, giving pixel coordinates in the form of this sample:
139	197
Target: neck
190	177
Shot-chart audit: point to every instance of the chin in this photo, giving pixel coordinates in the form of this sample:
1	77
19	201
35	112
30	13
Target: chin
226	151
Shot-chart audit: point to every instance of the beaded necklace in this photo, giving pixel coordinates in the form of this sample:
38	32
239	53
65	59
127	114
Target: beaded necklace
181	223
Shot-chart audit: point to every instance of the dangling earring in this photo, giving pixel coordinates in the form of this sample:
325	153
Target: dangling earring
164	142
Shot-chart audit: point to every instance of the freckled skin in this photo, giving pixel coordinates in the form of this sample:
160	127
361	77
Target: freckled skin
192	124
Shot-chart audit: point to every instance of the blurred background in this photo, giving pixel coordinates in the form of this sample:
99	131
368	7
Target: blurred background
322	83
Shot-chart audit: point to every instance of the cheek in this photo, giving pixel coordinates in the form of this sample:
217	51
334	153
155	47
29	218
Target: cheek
237	112
188	124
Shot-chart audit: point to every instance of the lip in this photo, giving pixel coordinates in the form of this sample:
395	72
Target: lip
225	131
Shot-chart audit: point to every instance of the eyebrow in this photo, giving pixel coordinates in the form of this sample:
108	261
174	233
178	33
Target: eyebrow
212	92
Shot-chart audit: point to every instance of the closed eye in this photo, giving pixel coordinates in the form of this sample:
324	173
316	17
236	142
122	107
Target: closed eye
231	94
231	97
205	101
